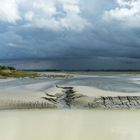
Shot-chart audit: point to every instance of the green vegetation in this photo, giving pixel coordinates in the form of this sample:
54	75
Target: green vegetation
6	71
7	68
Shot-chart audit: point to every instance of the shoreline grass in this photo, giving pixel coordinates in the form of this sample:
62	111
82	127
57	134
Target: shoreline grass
18	74
6	71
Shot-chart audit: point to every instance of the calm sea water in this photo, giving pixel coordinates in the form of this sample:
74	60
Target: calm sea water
119	83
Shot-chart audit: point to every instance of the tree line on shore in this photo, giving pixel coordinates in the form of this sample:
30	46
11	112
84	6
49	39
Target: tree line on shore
7	68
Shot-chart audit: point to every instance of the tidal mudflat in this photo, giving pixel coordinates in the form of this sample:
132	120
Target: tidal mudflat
71	91
75	107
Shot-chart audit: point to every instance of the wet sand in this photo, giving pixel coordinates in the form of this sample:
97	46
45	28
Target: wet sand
69	125
69	95
79	91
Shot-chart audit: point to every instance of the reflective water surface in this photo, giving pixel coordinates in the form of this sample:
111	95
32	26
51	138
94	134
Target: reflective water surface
119	83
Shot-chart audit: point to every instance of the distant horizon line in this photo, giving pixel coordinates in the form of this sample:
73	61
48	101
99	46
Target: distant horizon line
86	70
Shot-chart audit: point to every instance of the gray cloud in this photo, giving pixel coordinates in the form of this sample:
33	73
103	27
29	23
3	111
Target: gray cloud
104	45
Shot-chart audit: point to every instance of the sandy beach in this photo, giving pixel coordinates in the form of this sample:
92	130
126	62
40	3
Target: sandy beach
100	107
69	125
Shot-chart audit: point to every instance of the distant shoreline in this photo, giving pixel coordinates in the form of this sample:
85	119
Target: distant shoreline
86	71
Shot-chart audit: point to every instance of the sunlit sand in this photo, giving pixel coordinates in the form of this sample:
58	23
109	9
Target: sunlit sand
69	125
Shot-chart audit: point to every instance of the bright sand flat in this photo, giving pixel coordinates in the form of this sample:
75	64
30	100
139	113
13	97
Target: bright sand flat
69	125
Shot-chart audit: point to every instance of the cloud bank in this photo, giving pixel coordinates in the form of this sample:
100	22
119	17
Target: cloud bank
71	33
51	14
127	13
9	11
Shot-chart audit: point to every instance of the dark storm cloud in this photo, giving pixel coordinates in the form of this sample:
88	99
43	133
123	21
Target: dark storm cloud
102	45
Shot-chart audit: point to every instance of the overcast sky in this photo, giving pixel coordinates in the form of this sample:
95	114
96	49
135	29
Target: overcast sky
81	34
